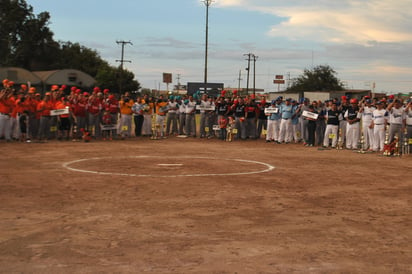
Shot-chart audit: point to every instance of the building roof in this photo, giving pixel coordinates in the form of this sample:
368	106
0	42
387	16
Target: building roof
19	75
70	77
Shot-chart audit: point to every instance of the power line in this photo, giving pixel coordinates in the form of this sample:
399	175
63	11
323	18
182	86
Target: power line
123	43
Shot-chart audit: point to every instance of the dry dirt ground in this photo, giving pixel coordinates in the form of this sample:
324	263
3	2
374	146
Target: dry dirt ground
202	206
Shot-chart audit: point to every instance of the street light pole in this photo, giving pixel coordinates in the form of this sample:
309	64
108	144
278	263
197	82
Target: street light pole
207	4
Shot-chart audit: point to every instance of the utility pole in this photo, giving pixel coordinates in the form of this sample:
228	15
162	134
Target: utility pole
254	74
178	83
207	4
249	56
123	43
239	79
288	80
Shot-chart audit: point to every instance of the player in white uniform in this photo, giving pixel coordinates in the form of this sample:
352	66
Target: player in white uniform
190	117
202	126
396	119
171	120
408	120
285	127
379	121
366	112
182	116
352	116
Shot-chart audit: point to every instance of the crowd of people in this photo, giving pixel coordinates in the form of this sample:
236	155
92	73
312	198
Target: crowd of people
62	114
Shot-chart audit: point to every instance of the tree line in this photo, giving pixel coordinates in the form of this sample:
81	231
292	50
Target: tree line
26	41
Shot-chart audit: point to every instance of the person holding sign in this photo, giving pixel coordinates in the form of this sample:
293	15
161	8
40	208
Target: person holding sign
64	123
311	117
273	120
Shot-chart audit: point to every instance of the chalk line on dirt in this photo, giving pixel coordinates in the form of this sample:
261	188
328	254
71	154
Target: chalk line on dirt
267	168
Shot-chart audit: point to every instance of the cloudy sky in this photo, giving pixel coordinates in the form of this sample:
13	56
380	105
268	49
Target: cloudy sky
367	42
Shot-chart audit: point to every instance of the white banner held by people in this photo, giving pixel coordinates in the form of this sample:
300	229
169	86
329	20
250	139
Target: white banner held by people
57	112
200	107
311	115
271	110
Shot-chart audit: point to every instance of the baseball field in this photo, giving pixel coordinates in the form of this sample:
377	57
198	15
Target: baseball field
202	206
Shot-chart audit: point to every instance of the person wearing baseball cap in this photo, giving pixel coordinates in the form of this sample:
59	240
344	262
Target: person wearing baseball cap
366	111
311	127
112	106
239	112
79	107
332	126
43	108
273	122
7	103
285	127
352	116
397	118
379	121
262	118
343	107
303	121
408	122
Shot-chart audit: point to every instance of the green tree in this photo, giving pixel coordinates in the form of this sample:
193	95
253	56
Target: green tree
113	78
76	56
320	78
25	39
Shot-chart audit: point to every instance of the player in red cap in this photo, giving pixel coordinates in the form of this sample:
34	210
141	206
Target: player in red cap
6	108
94	108
63	119
79	107
44	108
112	106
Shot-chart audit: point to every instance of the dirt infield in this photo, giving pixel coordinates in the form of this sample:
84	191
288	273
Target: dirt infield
202	206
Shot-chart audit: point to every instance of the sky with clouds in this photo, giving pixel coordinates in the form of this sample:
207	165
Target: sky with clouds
365	41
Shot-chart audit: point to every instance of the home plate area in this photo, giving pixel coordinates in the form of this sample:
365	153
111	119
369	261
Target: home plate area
170	166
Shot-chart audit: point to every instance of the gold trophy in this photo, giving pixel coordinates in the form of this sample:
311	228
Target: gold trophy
155	132
405	147
340	141
230	129
361	143
387	146
396	151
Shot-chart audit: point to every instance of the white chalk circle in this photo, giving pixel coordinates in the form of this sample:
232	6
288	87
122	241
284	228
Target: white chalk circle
169	164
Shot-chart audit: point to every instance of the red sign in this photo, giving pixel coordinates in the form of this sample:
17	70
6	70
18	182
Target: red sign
278	81
279	77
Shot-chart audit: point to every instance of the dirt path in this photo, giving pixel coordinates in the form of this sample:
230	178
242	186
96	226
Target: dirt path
196	206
